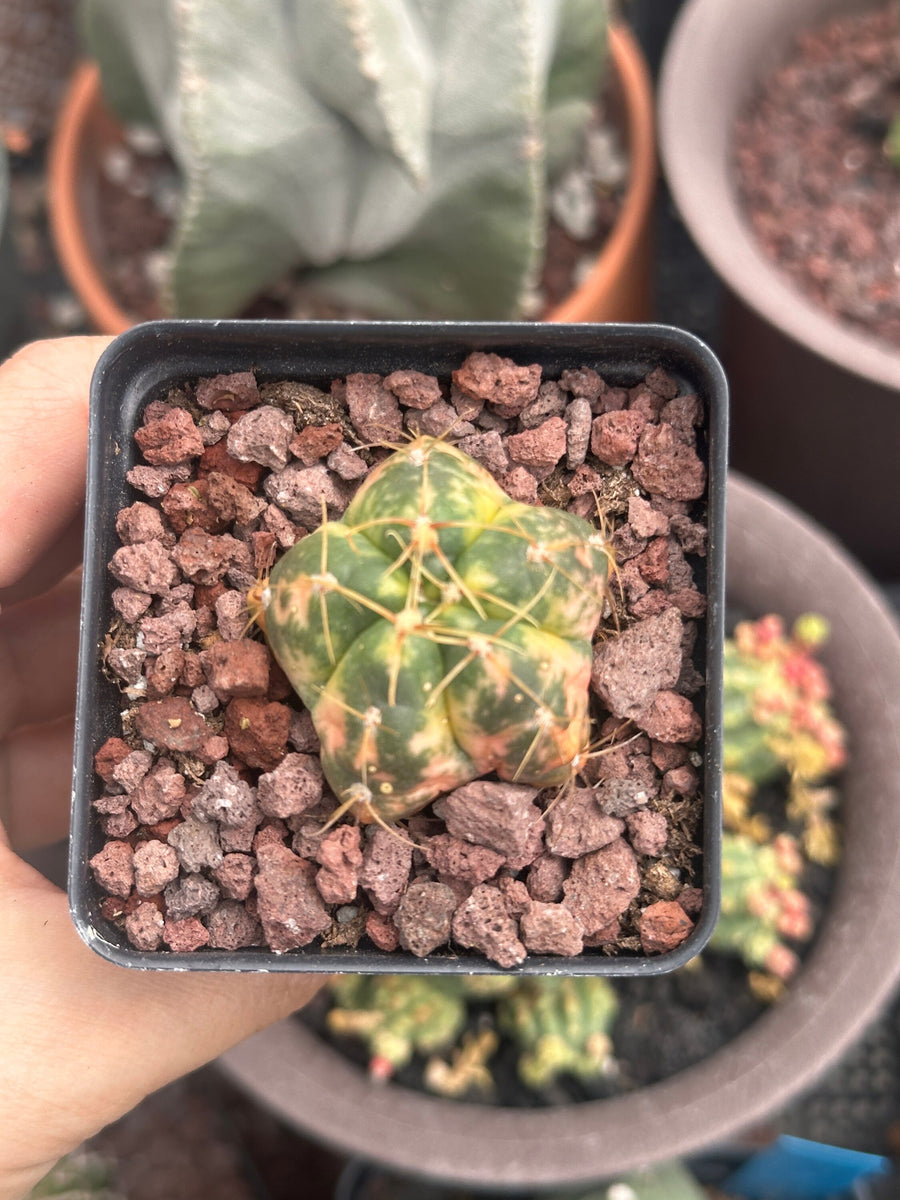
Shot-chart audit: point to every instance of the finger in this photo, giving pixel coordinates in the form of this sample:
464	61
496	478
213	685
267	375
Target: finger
59	560
87	1040
36	783
39	656
43	446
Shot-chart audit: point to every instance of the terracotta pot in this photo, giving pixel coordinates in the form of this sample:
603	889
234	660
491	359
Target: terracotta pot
778	562
617	288
815	405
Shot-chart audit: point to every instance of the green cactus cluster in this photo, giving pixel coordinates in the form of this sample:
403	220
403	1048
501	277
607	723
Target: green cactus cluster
762	904
398	1016
778	722
560	1025
396	152
438	632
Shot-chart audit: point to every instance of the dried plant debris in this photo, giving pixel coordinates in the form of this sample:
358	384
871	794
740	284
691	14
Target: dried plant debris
213	801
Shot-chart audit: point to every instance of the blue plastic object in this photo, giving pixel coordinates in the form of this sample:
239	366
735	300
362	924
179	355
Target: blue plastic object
795	1169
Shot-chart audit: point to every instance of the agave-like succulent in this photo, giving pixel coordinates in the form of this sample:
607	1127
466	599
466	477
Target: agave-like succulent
397	151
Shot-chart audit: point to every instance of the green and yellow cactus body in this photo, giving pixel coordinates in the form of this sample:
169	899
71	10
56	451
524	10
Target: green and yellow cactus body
440	631
776	711
561	1026
762	903
517	704
778	721
398	1016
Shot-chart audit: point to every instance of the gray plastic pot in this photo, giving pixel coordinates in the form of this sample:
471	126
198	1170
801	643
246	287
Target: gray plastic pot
10	283
815	405
778	561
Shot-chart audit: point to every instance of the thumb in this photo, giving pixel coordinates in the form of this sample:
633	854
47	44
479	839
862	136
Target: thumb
86	1040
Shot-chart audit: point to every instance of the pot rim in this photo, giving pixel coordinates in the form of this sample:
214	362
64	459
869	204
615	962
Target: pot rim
587	302
715	41
847	977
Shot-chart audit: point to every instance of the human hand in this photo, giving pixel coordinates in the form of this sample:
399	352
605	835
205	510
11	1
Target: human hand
82	1040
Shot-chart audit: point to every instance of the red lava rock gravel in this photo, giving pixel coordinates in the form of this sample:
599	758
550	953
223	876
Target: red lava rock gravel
818	188
213	801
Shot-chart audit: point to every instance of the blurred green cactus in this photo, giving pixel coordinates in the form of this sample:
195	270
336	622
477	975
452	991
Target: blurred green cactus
398	1016
438	632
778	721
467	1071
395	151
761	903
561	1026
81	1175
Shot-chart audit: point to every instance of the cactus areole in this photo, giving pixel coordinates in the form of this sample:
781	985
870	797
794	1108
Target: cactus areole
438	632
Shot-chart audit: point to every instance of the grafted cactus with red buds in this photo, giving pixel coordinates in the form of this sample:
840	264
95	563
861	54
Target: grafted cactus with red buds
761	903
438	632
778	721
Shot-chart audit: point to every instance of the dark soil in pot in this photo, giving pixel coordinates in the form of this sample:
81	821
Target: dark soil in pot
813	174
202	857
139	197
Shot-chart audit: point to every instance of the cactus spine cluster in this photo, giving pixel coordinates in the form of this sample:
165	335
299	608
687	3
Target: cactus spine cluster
397	152
778	721
438	632
761	903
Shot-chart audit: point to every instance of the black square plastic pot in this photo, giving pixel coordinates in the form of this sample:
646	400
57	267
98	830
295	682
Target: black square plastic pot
143	364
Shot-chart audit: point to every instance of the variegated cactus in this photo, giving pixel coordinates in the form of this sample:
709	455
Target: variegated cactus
778	721
396	151
397	1016
438	632
561	1026
762	903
